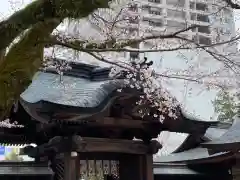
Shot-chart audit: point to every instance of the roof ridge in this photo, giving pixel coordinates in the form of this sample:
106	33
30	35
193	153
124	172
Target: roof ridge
82	70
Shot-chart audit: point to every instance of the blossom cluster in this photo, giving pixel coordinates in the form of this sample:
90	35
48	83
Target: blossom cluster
7	124
156	100
56	65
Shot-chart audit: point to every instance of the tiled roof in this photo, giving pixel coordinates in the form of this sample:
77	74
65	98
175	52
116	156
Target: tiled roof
70	91
24	168
90	89
82	86
229	141
190	156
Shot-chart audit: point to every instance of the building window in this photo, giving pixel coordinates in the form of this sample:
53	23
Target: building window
199	17
204	40
179	25
176	3
204	29
227	20
133	7
195	39
146	7
176	14
192	5
228	12
158	23
218	38
194	29
156	11
198	6
155	1
199	39
225	31
203	18
201	29
201	7
193	16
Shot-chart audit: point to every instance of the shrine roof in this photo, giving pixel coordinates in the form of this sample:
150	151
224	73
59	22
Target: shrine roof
184	154
214	133
86	90
82	86
172	169
24	168
229	141
190	171
192	156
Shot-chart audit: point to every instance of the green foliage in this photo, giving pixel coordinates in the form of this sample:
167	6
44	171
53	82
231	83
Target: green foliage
13	156
226	105
20	63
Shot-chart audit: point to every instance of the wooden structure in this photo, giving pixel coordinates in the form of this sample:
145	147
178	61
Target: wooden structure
25	171
84	127
194	160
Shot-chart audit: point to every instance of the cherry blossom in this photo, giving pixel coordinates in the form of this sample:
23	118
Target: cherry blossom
142	77
7	124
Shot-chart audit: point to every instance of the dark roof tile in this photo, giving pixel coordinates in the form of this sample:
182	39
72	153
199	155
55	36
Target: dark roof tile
229	141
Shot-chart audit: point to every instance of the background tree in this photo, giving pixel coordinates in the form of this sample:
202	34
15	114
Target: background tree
227	106
13	156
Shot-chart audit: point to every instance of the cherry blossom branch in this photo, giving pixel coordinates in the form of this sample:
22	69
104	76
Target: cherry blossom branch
119	47
7	124
94	47
73	43
157	75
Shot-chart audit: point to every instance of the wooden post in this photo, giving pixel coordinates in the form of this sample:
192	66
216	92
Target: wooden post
69	167
77	166
147	167
129	167
136	167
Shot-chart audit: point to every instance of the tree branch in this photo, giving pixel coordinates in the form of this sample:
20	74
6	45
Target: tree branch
104	46
21	63
41	10
232	4
191	79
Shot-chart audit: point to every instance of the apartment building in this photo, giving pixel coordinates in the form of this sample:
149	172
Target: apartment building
214	18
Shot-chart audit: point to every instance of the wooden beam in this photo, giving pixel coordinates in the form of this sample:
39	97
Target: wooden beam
115	145
114	122
149	167
99	145
69	167
121	123
105	122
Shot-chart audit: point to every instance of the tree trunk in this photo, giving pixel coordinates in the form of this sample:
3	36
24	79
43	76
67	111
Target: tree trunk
41	10
21	63
24	58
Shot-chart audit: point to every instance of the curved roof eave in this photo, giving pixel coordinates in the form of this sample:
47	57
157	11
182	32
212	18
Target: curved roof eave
229	141
91	86
194	156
